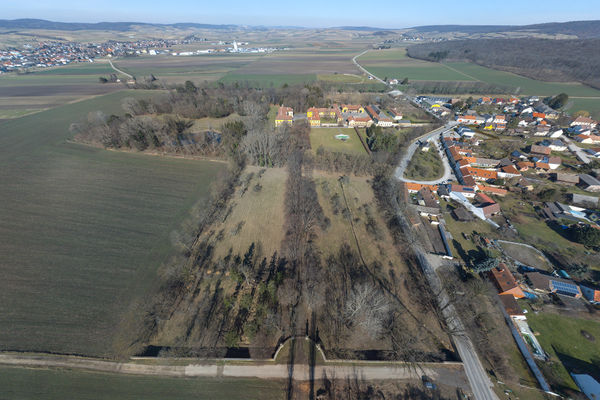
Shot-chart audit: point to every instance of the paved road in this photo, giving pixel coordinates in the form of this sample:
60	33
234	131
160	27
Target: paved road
478	378
447	373
401	169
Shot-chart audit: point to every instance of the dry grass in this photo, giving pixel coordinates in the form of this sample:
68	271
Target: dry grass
256	216
377	247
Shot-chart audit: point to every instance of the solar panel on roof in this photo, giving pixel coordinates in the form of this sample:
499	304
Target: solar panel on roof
568	289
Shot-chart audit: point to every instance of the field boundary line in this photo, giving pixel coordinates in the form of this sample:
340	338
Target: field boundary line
460	72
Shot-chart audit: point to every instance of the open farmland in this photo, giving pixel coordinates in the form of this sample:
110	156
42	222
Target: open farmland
395	64
525	85
171	69
294	66
84	230
27	93
23	383
326	138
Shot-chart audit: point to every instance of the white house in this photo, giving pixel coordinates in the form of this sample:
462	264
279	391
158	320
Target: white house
558	145
556	134
584	122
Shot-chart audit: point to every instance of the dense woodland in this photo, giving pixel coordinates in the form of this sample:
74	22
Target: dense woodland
551	60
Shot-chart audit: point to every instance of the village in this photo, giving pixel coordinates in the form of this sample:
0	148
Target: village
524	159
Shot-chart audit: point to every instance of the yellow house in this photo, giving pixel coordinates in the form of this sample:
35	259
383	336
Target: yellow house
285	115
352	108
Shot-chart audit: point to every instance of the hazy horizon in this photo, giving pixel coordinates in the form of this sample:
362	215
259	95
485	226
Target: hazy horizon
310	14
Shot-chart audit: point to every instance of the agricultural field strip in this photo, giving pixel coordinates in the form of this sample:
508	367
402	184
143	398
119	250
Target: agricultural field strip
68	205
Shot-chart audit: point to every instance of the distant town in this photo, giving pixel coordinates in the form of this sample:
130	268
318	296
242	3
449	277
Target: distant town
53	53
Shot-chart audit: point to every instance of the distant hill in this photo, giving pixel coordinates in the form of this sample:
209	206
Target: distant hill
581	29
360	28
103	26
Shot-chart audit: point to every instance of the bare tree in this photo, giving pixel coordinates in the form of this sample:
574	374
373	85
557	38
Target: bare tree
368	308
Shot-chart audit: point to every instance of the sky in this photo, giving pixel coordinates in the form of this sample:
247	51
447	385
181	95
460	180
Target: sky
308	13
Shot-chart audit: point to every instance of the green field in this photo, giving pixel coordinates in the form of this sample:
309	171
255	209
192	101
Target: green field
22	383
591	105
207	67
325	137
341	78
268	80
525	85
95	68
395	64
562	335
83	229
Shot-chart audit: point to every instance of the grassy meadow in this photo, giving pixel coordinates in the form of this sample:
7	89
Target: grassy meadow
325	137
562	336
425	165
24	383
83	230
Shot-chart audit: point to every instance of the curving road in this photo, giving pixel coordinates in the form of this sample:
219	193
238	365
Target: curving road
403	165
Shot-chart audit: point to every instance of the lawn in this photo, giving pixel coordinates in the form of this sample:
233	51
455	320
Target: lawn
425	165
83	230
560	335
325	137
22	383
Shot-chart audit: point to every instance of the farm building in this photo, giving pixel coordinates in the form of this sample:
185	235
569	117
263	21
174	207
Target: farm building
566	179
584	201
